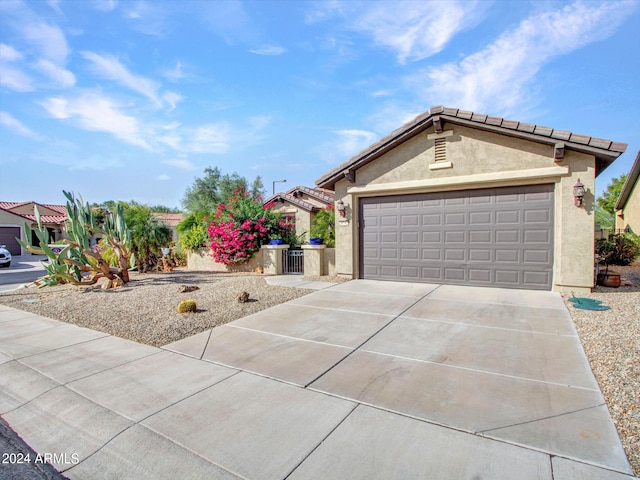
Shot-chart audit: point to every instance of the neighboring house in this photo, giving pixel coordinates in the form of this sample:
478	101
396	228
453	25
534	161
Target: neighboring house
457	197
13	216
628	204
300	205
171	220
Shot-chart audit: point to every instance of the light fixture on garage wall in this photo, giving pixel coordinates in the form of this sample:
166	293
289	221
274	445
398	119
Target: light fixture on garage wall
578	193
341	208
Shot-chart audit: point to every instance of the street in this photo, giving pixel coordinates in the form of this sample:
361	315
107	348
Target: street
24	269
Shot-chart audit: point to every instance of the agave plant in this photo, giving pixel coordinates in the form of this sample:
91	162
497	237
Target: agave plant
78	262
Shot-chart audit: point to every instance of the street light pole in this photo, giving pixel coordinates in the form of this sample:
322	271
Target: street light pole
274	185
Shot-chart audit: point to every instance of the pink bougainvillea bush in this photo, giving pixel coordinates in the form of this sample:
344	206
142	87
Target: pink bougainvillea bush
242	225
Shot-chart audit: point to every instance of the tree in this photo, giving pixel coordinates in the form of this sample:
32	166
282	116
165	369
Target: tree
609	198
147	234
257	189
208	192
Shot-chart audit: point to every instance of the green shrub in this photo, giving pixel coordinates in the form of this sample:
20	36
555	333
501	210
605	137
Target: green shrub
194	239
187	306
323	226
620	249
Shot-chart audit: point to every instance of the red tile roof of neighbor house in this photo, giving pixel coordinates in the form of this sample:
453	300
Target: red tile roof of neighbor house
169	219
57	219
322	194
630	182
605	151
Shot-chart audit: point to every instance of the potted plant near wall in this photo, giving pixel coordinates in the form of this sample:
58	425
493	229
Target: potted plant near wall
323	228
275	241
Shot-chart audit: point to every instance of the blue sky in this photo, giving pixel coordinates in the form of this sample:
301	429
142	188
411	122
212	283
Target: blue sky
127	99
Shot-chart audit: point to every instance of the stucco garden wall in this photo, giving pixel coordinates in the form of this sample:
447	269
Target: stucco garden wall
480	159
203	261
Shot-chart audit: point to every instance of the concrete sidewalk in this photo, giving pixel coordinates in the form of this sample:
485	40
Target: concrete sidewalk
358	380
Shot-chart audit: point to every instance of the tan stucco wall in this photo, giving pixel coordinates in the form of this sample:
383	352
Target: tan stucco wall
630	214
203	261
303	218
480	159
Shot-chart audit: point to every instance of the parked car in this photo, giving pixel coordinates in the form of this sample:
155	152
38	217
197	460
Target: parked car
5	256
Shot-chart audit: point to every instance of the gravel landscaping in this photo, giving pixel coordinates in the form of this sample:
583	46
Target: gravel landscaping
611	340
144	310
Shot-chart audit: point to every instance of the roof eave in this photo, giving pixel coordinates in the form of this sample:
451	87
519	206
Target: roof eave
632	179
604	156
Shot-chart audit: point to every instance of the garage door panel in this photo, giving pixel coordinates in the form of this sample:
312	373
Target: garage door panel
480	275
537	216
499	236
480	218
432	219
508	216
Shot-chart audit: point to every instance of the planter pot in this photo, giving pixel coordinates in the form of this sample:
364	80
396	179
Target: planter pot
609	280
316	241
277	241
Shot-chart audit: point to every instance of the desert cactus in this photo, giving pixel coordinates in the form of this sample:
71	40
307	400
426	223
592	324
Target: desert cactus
78	256
187	306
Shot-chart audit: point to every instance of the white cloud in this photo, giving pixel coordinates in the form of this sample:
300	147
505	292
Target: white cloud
176	73
50	40
17	126
181	163
15	79
105	5
272	50
500	76
95	112
351	142
211	138
417	30
172	99
348	143
55	5
164	177
62	77
8	53
110	68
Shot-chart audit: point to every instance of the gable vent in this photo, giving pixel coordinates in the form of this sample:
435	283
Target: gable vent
440	149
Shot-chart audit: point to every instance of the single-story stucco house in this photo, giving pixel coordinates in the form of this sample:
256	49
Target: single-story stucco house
628	204
170	220
13	216
458	197
300	205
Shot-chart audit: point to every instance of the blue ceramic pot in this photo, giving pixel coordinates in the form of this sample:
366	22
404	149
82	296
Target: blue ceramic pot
316	241
275	241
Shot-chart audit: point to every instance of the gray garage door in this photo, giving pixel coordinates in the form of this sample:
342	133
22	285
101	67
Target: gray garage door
8	237
501	237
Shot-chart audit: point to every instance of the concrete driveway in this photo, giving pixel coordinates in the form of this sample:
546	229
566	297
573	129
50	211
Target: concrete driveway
24	269
362	380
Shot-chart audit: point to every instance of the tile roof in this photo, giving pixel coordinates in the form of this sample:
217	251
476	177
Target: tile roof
57	219
630	182
322	194
169	219
605	151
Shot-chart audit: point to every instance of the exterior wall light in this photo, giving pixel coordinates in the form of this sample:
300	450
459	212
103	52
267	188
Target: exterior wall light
578	193
341	208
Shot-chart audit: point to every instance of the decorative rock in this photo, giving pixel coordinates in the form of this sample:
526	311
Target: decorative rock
117	282
104	283
187	288
243	297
